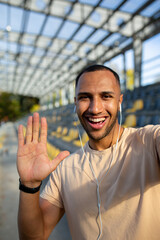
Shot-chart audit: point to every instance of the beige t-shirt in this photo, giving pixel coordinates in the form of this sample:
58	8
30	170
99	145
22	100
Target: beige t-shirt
130	192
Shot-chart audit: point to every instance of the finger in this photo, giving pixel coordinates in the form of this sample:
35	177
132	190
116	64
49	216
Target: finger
20	136
29	130
35	127
43	135
61	156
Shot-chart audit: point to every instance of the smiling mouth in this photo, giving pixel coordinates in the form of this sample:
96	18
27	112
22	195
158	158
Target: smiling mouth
96	123
96	120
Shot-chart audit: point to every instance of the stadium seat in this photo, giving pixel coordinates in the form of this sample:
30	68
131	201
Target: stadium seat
157	103
76	123
138	105
143	120
126	105
130	121
72	134
156	119
84	140
58	131
148	103
52	151
63	133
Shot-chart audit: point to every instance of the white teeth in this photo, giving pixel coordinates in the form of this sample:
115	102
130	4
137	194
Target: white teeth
96	120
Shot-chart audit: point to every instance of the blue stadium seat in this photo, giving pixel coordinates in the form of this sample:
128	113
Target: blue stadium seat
156	119
143	120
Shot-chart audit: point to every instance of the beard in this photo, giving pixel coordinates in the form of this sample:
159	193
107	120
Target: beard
104	134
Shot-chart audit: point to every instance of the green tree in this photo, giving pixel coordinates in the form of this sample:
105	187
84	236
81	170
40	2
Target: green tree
13	107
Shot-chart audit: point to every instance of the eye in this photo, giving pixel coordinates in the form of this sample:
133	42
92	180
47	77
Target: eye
83	97
107	96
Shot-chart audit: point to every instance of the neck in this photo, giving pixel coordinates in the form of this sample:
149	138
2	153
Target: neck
107	141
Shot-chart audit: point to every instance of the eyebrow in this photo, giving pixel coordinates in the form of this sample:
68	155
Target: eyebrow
108	92
88	93
83	93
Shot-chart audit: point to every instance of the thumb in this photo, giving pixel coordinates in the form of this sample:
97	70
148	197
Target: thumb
56	161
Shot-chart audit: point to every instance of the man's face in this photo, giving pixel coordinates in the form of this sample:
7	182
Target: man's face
97	102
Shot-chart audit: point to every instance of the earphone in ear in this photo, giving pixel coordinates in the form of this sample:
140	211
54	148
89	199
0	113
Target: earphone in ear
120	108
120	114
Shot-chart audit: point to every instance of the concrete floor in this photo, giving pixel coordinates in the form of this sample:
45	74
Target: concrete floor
9	193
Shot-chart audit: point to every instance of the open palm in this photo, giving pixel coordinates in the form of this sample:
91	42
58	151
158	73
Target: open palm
32	159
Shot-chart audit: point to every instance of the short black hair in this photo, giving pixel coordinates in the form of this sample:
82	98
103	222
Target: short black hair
97	67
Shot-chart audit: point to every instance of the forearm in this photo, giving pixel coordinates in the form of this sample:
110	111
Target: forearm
30	219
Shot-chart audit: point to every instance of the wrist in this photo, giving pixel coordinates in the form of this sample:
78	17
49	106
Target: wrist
30	184
29	187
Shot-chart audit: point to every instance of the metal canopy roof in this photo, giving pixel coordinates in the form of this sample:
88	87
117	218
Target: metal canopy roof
43	43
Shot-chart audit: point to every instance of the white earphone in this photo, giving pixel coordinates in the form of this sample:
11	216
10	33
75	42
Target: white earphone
120	108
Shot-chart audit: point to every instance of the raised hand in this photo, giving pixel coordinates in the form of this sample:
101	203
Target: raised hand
33	163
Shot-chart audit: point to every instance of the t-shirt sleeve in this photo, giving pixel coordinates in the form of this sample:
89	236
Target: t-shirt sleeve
150	136
52	190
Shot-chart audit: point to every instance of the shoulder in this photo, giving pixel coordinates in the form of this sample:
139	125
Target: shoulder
148	129
147	133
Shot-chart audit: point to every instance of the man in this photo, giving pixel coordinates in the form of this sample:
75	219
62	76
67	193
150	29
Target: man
110	189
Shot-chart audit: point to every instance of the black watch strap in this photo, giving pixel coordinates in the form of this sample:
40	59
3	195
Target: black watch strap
25	189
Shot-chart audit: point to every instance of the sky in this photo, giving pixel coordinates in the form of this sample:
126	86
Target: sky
150	60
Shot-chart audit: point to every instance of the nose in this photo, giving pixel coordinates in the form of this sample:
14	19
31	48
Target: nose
95	106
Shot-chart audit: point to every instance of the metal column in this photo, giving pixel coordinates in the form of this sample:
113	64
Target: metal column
137	46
